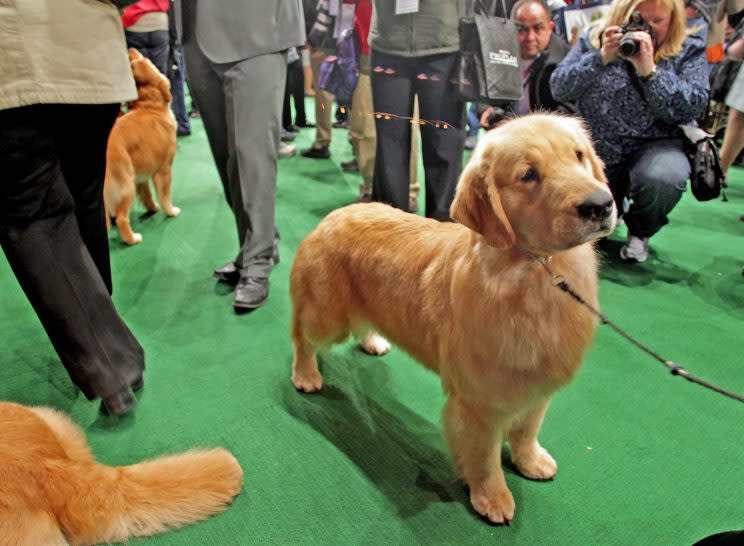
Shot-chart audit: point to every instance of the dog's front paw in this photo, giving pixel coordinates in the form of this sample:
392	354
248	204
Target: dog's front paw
136	238
173	211
497	506
375	344
537	465
310	381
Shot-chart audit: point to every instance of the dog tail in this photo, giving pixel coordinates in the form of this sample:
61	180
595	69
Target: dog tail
165	493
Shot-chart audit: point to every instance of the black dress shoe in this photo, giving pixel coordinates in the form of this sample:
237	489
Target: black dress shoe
250	293
317	153
350	166
305	125
119	403
227	273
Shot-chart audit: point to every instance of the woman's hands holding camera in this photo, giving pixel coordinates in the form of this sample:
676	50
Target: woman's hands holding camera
643	61
611	44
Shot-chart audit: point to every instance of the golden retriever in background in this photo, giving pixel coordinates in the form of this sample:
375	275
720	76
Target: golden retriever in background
141	146
53	492
469	300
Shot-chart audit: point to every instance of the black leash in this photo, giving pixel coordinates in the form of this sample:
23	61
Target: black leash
673	367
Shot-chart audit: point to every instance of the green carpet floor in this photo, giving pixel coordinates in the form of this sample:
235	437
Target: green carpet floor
644	457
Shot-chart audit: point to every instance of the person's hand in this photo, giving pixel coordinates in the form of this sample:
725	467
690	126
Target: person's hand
736	50
484	118
610	44
643	61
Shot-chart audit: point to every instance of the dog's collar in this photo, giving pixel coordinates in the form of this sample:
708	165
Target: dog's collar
543	261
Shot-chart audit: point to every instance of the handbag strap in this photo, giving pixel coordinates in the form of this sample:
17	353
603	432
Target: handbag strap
485	7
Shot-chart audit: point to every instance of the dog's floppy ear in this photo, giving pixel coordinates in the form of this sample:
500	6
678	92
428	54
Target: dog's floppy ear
164	86
478	207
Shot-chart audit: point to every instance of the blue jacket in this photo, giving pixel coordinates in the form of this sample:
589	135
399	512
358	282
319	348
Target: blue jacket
620	121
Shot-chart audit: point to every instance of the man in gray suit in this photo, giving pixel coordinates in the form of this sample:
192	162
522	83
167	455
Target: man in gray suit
236	58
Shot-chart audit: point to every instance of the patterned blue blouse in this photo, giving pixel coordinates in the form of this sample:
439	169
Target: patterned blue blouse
620	121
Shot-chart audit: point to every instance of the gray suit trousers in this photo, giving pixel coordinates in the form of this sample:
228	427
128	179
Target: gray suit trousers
241	107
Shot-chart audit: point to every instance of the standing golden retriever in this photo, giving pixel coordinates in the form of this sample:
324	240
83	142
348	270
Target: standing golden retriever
470	300
53	492
142	145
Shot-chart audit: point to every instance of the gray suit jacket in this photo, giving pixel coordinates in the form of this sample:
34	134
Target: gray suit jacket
232	30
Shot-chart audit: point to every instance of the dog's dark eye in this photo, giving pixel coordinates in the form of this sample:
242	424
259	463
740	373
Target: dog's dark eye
580	155
530	176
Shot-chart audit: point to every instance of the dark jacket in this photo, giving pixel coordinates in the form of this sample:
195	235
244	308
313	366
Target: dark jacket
619	119
541	97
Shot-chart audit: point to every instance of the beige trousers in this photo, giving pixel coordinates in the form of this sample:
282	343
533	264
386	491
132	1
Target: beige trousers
323	103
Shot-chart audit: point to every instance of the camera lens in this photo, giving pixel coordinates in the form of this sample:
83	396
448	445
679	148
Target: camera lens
628	46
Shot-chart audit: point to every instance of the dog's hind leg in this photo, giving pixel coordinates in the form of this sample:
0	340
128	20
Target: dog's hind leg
162	180
26	527
305	373
122	219
532	460
372	342
68	433
475	437
145	195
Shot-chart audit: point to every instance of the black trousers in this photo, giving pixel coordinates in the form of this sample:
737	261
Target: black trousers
295	89
53	232
395	82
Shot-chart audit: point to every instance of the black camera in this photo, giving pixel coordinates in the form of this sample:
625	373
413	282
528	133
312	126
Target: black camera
629	46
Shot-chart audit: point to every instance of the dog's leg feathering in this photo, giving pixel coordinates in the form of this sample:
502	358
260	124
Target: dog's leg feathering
532	460
475	438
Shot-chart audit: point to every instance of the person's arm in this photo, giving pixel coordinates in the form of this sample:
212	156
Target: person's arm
679	93
735	50
577	72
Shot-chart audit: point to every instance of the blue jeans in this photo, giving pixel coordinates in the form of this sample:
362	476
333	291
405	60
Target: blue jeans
154	45
473	120
179	101
652	182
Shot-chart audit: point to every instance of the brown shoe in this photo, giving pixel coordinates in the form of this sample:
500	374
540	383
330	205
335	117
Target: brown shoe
412	204
364	198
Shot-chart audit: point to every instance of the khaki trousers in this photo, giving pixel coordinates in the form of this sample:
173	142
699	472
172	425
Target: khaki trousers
323	103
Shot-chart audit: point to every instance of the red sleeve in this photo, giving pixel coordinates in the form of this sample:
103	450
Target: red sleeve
362	22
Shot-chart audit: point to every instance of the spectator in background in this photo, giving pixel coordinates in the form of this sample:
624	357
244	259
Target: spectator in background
59	99
294	90
177	77
146	29
322	41
236	53
733	138
540	52
633	106
416	55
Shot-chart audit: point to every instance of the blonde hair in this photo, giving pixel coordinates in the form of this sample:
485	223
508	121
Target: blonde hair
619	14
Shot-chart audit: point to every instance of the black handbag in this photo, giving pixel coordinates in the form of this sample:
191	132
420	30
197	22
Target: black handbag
489	52
707	180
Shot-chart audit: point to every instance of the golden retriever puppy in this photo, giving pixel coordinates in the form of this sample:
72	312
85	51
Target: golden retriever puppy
470	300
141	146
53	492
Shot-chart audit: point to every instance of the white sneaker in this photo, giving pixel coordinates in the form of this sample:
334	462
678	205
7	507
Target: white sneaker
287	150
471	142
635	249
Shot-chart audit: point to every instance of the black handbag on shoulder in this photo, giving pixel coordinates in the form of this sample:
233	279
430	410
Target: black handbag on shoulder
489	52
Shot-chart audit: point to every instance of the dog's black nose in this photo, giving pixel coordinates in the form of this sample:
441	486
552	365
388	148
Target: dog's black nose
598	206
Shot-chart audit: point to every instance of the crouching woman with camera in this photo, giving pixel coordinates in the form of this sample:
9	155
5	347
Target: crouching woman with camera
636	76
